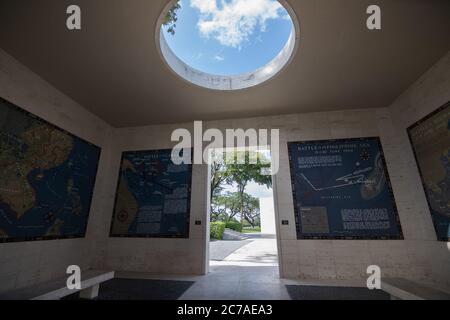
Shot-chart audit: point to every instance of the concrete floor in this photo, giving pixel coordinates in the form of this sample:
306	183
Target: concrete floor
249	273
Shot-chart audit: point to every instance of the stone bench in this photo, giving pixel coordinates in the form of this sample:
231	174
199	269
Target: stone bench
403	289
57	289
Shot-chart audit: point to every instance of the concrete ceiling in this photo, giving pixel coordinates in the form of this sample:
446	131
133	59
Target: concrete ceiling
112	66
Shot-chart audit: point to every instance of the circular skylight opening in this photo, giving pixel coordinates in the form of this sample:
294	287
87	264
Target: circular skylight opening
227	44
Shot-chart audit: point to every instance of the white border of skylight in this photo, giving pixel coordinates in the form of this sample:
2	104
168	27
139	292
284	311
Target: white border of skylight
233	82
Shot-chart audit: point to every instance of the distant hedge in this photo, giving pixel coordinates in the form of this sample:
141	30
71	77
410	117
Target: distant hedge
234	225
217	229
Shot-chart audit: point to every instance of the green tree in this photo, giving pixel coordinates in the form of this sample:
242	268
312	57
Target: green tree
171	18
226	207
217	174
243	173
251	210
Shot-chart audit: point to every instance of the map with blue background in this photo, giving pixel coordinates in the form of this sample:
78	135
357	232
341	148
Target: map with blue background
341	190
430	139
153	196
47	178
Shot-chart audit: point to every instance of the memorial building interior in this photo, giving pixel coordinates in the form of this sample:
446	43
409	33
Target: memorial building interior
111	111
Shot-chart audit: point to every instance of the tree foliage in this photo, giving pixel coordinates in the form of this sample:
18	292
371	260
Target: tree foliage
228	170
230	206
217	176
243	174
216	230
171	18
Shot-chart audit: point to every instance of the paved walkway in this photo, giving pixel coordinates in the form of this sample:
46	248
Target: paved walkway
249	273
259	251
220	249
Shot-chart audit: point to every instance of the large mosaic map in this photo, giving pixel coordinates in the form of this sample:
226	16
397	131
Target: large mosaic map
430	139
46	178
153	196
341	190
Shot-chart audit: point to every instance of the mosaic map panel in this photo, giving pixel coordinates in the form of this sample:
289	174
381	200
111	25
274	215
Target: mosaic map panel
341	190
153	196
430	139
47	177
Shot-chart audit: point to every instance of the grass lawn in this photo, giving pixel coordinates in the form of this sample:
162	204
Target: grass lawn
251	230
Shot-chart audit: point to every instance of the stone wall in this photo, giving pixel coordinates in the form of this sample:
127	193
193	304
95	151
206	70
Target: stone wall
419	256
26	263
427	94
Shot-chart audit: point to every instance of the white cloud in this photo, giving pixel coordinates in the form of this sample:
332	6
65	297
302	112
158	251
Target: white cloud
233	22
219	58
258	39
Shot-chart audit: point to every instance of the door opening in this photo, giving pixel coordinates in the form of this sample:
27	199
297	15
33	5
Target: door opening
242	220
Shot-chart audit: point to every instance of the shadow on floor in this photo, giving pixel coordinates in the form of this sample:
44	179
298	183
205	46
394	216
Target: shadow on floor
334	293
134	289
220	249
258	235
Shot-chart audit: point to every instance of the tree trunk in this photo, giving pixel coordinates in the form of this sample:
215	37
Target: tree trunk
241	198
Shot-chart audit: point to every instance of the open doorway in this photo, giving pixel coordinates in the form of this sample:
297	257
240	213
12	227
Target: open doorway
242	215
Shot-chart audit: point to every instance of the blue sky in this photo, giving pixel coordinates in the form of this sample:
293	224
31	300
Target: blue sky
229	37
